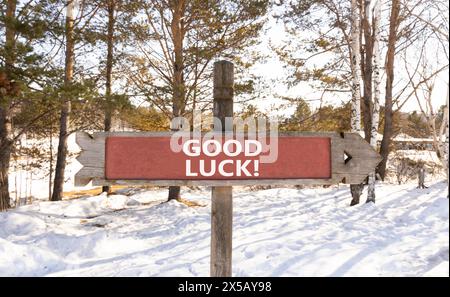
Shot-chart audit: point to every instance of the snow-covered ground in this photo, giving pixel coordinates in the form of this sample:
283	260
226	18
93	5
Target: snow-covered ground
276	232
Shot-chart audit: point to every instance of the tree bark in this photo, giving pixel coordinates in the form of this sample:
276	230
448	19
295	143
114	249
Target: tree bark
355	190
7	91
65	108
222	197
367	69
109	66
178	32
376	93
5	157
50	165
388	117
355	67
445	126
421	178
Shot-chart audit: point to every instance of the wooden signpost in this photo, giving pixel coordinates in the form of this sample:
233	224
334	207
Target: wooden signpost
303	158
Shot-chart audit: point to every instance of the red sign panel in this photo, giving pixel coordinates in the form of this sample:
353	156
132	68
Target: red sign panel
151	158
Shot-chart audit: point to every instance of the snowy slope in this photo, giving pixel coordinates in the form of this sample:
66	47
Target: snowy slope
277	232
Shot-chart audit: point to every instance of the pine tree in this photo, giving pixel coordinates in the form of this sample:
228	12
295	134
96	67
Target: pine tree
111	9
25	30
9	89
78	94
178	48
66	105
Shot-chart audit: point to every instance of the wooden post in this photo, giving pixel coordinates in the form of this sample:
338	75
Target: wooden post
222	197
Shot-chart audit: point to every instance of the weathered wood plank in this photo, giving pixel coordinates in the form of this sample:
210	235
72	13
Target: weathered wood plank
92	157
364	159
97	182
222	197
221	231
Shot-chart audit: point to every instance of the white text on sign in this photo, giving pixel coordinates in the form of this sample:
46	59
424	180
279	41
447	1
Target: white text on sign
228	167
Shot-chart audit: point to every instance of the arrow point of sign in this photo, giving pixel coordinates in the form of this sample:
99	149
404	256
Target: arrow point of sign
359	158
91	157
347	157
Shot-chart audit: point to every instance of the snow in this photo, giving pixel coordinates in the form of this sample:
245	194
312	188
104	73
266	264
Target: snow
418	156
25	181
406	138
402	137
276	232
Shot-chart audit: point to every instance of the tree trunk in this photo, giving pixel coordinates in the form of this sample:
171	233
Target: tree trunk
5	157
446	133
50	167
109	66
355	190
440	139
421	178
367	70
65	108
7	91
178	32
388	123
376	93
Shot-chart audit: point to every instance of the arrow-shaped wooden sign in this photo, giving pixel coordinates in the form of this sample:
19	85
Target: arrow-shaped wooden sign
223	160
147	158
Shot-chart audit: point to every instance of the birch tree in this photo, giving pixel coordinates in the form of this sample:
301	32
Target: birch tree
376	76
330	20
355	65
356	190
